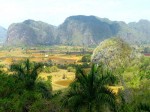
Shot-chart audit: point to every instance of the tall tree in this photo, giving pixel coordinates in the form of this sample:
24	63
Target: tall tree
27	72
90	92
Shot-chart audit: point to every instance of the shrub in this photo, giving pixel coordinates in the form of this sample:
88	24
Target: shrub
65	66
54	69
70	69
86	58
86	65
51	69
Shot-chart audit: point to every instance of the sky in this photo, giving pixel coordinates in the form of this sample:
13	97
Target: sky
56	11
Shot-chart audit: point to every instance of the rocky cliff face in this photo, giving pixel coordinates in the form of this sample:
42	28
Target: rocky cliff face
3	33
87	30
77	30
30	33
141	30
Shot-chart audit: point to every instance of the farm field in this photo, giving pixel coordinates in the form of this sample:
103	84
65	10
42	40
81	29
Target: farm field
58	80
14	55
58	55
7	57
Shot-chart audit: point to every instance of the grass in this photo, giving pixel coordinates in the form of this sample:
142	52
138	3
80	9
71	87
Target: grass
57	78
64	82
58	83
115	89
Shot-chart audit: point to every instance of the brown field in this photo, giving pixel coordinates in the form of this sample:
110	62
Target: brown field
59	83
57	78
7	57
147	54
65	59
63	82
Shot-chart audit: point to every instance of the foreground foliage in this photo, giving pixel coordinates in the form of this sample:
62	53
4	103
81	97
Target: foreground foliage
90	92
22	91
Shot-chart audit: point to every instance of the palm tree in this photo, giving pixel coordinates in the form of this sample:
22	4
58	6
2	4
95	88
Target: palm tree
90	92
27	72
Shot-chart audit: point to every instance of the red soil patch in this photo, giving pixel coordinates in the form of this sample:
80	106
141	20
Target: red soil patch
147	54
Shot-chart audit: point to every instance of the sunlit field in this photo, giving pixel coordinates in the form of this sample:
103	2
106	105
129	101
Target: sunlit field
10	56
60	79
13	55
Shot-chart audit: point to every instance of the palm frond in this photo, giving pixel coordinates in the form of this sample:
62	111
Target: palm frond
91	89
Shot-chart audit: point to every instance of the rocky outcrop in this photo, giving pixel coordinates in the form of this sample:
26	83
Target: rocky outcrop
30	32
3	33
114	53
77	30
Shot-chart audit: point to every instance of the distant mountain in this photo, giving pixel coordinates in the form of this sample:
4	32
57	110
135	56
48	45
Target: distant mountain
77	30
30	32
3	33
141	30
84	30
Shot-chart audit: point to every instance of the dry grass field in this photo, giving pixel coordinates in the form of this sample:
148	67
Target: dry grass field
9	56
65	59
59	83
115	89
58	80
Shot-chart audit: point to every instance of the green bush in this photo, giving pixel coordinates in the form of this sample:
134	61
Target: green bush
51	69
70	69
65	66
86	65
86	58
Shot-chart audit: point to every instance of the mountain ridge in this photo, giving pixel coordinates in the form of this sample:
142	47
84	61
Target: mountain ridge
3	33
77	30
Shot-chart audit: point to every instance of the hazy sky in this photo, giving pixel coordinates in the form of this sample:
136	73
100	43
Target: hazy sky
55	11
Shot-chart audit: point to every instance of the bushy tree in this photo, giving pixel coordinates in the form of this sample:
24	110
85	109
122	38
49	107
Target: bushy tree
23	92
51	69
144	68
71	69
114	52
86	58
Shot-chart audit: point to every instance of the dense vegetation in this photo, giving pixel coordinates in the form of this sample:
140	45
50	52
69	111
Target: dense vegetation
107	86
90	92
23	91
